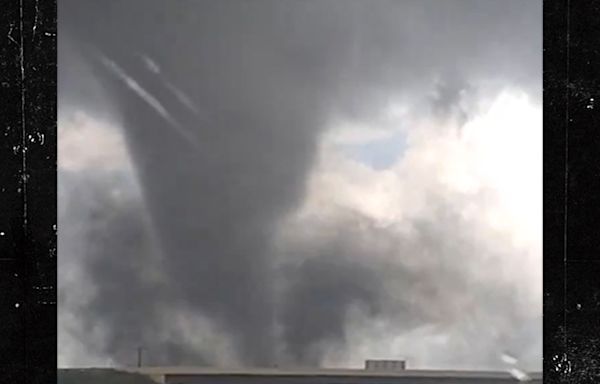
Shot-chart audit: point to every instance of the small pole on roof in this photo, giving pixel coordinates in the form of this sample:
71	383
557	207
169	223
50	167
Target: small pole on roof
139	356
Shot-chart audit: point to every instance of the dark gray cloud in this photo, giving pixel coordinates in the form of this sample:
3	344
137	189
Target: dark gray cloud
449	98
220	173
319	294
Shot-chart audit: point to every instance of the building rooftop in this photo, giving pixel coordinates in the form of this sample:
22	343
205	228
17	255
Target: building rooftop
180	370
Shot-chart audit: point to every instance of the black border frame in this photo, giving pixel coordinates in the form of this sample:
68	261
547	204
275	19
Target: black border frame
28	192
571	192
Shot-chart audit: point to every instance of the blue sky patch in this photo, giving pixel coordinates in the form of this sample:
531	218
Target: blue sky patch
378	154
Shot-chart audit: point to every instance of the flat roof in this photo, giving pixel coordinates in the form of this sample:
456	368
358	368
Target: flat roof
204	371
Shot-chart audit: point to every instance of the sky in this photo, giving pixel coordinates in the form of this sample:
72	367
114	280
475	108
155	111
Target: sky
300	183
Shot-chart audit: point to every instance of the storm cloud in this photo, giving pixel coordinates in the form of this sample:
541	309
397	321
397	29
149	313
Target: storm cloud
223	106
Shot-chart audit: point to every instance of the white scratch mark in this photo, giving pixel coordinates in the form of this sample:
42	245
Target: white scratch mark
23	130
10	35
179	94
519	374
35	21
182	97
148	98
150	64
508	359
514	370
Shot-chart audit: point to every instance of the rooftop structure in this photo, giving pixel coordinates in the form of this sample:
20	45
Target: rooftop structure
202	375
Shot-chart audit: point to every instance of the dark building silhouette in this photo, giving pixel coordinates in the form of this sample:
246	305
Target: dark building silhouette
375	372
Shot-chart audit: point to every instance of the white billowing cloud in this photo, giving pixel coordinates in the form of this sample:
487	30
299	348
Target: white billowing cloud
89	148
490	170
506	151
87	142
500	150
72	352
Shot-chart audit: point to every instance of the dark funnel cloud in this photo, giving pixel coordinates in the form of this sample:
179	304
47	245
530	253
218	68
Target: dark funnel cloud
321	291
222	105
